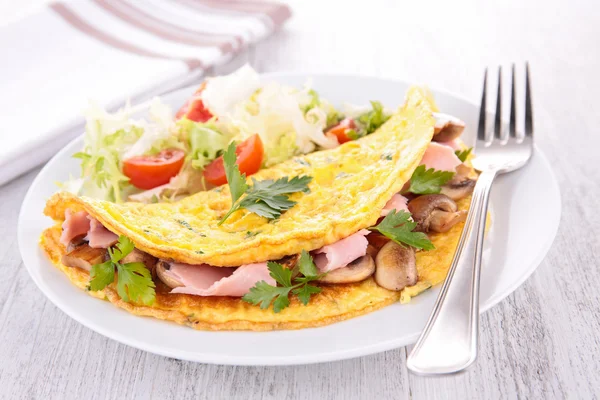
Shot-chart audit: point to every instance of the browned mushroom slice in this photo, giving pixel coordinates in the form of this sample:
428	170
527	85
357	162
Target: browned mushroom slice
358	270
161	268
76	242
143	257
447	127
396	267
435	212
84	257
458	187
289	261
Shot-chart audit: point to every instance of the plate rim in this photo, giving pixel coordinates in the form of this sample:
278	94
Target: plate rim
343	354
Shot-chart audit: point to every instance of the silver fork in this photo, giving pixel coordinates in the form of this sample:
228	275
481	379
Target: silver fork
449	341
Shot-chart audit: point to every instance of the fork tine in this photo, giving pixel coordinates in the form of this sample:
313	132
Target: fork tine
481	127
498	119
513	106
528	107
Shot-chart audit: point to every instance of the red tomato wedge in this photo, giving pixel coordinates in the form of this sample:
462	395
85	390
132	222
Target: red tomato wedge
250	155
339	130
194	108
148	172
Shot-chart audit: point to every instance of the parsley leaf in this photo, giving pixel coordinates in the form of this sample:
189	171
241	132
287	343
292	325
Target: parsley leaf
463	154
134	281
306	266
398	226
428	181
237	181
267	198
304	293
281	274
264	294
102	275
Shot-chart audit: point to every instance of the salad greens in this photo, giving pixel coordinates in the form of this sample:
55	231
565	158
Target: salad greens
289	121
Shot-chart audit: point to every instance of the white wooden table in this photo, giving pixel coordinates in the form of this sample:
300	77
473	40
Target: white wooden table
541	342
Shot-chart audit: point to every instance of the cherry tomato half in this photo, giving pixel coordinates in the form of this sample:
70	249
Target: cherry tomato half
148	172
339	130
194	108
249	159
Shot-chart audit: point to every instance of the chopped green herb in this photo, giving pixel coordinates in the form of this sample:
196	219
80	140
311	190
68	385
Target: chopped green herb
387	156
251	234
399	226
428	181
134	281
199	252
184	224
267	198
463	154
264	294
302	162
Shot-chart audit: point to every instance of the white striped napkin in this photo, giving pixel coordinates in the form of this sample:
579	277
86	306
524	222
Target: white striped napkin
57	59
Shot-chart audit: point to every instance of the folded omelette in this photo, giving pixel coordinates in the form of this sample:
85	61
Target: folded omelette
351	185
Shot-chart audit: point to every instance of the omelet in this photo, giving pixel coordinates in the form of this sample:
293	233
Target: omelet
335	303
351	185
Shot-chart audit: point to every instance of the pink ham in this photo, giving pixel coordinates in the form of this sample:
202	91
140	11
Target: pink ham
440	157
341	253
206	280
75	224
98	236
456	144
397	202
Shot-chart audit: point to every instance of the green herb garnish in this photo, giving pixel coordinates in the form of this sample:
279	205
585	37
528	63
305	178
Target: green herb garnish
398	226
267	198
134	282
428	181
295	281
463	154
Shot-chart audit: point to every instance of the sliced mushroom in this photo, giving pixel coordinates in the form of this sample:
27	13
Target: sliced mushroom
435	212
143	257
358	270
447	127
289	261
161	272
84	257
458	188
76	242
396	267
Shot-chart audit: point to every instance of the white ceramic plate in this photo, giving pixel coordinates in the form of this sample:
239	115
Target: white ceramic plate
521	235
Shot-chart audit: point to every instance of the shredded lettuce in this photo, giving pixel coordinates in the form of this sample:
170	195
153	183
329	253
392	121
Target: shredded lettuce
206	142
284	119
111	138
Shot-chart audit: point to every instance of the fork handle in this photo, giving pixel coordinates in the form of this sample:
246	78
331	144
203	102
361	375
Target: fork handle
449	341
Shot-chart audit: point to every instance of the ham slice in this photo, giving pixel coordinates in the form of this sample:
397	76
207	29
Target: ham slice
206	280
341	253
75	224
80	223
456	144
98	236
440	157
397	202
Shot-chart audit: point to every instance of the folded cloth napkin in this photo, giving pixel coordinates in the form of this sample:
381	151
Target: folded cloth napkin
57	59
